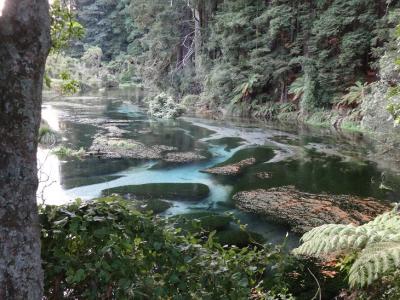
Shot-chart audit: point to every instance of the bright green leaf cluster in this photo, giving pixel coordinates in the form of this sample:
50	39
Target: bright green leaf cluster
103	249
64	27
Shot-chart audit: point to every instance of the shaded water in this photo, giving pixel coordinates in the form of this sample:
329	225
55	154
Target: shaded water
313	161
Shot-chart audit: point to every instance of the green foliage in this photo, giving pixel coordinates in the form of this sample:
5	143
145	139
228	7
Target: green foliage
394	91
322	44
64	27
374	261
108	26
297	88
103	249
272	110
244	90
46	135
249	53
394	110
164	106
65	152
377	245
68	85
92	56
355	95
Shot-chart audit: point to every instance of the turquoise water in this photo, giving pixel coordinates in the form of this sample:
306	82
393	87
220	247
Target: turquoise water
311	161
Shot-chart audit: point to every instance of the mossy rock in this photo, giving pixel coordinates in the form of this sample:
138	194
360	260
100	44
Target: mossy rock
70	183
225	204
168	191
206	221
157	206
238	237
260	154
229	142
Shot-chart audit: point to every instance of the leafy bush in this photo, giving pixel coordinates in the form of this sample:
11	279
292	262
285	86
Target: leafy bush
164	106
394	110
92	57
105	250
69	85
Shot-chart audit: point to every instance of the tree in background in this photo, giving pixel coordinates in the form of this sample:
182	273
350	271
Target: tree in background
24	46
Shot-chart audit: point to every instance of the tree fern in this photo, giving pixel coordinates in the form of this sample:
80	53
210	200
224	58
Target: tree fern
377	242
374	261
297	88
355	94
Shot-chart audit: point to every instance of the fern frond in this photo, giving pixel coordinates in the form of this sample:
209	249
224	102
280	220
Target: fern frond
373	262
332	238
378	244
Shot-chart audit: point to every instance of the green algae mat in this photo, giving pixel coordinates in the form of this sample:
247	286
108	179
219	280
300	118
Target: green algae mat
169	191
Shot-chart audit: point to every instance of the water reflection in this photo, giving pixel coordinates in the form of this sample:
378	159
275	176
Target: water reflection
313	161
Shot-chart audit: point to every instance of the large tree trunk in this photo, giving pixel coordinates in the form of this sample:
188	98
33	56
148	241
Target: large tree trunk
197	37
24	45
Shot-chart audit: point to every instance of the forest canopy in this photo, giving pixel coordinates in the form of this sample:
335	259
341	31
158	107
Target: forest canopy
250	57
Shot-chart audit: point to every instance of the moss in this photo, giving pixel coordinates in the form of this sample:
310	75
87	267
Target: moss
261	154
229	142
206	221
225	204
170	191
122	144
70	183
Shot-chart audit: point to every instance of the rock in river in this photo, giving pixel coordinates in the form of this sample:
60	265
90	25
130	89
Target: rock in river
232	169
168	191
183	157
115	147
304	211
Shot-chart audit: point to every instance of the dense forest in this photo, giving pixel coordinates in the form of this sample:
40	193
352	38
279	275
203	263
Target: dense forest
199	149
267	59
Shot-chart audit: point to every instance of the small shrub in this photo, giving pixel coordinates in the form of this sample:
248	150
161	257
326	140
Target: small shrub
164	106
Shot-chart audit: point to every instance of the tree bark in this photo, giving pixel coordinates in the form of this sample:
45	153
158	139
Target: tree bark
24	46
197	37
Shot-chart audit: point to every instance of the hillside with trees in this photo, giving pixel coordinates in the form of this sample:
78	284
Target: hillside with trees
306	60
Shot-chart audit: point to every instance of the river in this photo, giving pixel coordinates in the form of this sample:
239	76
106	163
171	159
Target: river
312	160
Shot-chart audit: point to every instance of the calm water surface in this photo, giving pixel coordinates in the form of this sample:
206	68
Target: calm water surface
312	160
